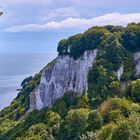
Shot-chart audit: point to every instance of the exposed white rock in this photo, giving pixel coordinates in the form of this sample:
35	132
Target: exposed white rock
120	73
137	60
35	100
63	75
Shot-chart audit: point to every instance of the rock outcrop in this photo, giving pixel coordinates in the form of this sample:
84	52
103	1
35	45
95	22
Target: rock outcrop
137	60
66	74
120	73
63	75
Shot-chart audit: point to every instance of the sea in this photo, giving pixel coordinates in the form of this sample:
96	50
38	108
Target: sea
23	54
14	67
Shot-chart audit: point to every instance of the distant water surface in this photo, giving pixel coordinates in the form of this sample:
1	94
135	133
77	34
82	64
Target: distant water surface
14	67
23	54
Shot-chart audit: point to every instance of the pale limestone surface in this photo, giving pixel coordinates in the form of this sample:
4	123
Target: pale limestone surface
137	60
63	75
120	73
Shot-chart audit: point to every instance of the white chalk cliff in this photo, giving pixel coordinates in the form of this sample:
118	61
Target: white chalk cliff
137	68
66	74
120	73
137	60
63	75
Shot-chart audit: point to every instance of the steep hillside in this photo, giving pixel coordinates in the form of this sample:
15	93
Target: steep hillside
63	75
91	91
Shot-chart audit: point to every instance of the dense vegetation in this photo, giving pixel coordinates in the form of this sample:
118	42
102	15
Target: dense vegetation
114	119
95	37
110	111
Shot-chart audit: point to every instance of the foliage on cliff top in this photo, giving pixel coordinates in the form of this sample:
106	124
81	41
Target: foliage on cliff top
93	37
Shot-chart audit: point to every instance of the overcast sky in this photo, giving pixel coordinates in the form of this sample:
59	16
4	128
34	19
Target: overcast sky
56	19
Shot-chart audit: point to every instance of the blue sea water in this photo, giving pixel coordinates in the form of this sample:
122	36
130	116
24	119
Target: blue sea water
23	54
14	67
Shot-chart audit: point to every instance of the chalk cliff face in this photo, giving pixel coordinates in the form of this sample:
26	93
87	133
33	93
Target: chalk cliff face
120	73
63	75
66	74
137	60
137	68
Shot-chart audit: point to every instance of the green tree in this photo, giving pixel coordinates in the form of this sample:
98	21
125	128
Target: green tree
126	130
76	123
124	105
93	37
82	101
105	133
60	107
95	120
116	115
53	121
88	136
135	90
38	132
63	47
131	37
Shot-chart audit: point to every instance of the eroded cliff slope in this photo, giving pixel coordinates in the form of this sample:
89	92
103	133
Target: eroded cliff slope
63	75
66	74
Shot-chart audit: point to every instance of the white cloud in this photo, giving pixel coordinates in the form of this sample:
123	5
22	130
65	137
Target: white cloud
64	12
59	14
16	2
71	23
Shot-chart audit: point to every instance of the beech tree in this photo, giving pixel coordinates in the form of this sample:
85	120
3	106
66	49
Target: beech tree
135	90
76	123
95	120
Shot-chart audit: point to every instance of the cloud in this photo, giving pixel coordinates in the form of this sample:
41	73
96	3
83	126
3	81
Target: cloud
17	2
59	14
80	23
64	12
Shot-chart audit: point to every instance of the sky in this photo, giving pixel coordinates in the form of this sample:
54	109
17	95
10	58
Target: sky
38	25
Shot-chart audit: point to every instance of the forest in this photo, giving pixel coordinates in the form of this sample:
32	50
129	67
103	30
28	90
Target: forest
110	110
